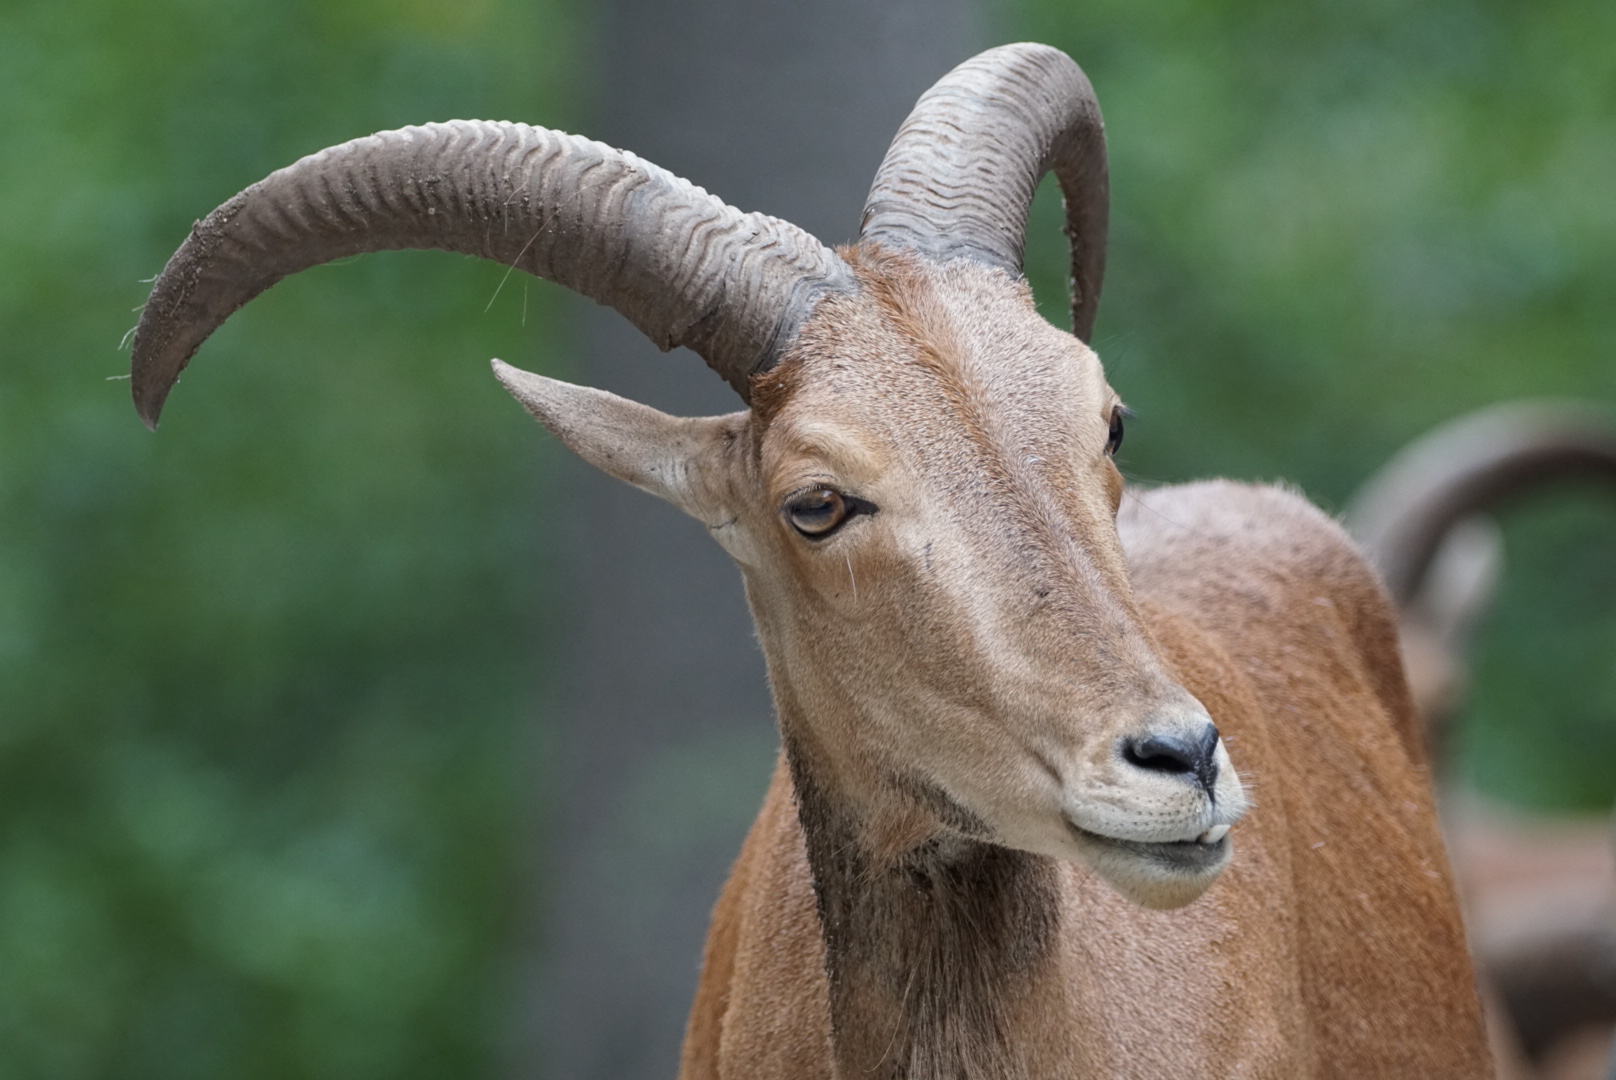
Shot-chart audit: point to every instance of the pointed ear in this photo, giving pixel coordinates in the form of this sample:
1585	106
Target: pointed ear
680	459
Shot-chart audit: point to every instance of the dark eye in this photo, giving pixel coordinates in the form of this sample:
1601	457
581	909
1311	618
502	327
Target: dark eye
1114	443
818	512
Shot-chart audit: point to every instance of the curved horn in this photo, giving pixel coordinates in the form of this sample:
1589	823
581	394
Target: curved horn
683	266
1403	512
959	178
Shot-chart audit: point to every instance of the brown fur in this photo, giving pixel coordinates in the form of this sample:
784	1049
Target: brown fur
1331	948
947	876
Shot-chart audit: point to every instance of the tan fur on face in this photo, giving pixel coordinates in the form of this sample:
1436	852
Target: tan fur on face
978	634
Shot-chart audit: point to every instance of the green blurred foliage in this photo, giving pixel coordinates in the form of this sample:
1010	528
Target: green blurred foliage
267	679
1541	729
1335	226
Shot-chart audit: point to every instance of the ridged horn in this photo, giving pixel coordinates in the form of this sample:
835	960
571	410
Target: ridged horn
683	266
1468	466
959	178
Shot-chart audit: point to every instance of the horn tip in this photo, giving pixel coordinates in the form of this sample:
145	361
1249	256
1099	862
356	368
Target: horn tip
149	405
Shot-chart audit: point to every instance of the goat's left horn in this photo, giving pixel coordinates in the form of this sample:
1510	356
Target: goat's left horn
960	176
683	266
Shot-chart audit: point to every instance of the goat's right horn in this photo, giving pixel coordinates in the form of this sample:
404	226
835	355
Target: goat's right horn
1468	466
683	266
960	176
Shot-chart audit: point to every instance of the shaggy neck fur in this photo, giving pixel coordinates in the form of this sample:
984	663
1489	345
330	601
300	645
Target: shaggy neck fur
936	957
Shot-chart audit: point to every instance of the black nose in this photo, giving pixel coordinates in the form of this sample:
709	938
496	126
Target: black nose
1175	753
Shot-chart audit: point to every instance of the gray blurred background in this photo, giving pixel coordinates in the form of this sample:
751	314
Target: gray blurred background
349	729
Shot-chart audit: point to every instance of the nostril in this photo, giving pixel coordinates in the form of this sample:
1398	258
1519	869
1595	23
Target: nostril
1176	755
1161	753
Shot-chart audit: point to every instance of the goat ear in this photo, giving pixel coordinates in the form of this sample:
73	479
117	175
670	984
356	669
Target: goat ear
669	456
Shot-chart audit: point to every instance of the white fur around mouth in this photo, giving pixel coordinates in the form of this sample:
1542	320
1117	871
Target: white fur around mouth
1207	852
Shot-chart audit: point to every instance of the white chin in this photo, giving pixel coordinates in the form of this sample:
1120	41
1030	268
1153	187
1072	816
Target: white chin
1159	875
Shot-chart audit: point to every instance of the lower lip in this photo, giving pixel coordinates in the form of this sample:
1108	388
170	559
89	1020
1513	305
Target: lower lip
1184	856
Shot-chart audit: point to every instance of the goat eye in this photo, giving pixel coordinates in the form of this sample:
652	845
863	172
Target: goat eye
1114	443
818	512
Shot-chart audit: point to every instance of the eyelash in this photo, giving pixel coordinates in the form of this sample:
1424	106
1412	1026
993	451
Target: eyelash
803	509
1119	413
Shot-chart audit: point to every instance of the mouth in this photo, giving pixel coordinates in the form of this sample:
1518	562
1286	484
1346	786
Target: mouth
1208	851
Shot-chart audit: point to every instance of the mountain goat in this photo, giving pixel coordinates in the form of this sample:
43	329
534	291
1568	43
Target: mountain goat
998	842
